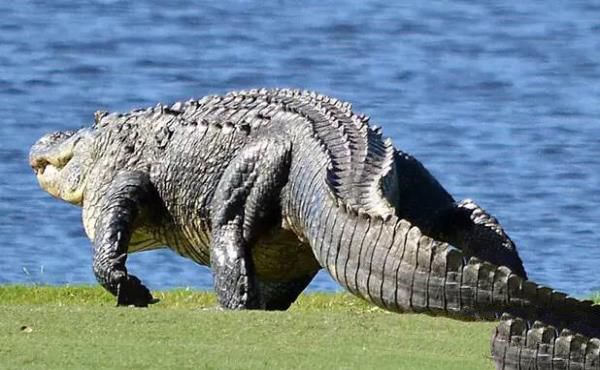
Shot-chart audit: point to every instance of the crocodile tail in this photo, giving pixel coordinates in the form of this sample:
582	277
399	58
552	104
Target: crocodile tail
519	344
390	263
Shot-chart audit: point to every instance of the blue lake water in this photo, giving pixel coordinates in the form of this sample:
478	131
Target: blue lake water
501	101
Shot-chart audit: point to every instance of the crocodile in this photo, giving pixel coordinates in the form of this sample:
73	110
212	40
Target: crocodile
269	186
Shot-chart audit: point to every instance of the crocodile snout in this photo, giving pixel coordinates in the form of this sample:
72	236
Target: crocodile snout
51	149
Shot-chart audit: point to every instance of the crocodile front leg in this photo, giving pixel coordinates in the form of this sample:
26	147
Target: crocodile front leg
120	207
243	207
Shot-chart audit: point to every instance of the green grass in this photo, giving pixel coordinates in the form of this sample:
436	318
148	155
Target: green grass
79	327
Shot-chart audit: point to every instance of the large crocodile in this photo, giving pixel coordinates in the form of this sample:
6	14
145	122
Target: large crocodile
269	186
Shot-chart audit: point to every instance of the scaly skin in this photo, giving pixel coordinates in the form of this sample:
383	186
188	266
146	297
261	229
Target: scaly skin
269	186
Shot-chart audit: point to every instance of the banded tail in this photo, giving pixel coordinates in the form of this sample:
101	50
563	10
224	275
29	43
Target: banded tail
393	265
522	344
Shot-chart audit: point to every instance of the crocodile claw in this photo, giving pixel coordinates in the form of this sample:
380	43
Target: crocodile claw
131	292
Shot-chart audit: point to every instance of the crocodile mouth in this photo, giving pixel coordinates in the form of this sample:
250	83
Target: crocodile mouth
47	167
51	150
48	176
49	156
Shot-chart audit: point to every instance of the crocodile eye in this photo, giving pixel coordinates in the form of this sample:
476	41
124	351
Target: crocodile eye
59	135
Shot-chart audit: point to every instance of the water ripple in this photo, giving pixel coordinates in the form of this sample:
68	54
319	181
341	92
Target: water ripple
499	100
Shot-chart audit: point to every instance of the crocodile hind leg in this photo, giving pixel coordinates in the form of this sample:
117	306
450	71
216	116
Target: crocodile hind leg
279	295
424	202
245	205
469	227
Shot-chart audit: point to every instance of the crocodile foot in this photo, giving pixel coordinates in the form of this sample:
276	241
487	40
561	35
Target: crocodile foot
131	292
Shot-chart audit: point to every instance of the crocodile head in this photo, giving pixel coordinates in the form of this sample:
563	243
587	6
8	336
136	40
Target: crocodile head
61	161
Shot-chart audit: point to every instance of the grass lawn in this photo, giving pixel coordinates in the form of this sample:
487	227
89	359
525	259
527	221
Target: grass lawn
79	327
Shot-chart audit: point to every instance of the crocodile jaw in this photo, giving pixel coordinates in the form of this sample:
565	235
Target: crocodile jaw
47	177
58	161
55	181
